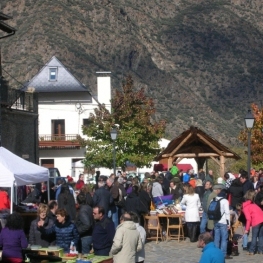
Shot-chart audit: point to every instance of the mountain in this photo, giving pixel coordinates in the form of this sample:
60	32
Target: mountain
201	60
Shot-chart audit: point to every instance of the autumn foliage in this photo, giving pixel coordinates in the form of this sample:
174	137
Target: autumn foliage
138	134
256	136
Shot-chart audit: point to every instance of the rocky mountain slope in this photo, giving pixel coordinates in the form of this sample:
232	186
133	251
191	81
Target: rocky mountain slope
201	60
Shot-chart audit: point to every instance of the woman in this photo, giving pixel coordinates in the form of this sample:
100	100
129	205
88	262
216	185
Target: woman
254	218
80	183
13	239
84	223
144	196
64	230
174	190
35	236
192	218
67	201
85	190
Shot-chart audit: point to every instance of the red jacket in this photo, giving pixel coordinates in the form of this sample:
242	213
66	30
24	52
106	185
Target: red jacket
4	200
253	214
79	184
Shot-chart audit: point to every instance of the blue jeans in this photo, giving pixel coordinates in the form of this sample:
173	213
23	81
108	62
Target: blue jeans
203	222
257	232
114	215
86	244
221	236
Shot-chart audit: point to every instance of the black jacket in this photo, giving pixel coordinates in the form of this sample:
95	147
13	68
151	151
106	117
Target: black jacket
247	185
259	199
84	221
68	203
133	203
236	193
145	200
102	197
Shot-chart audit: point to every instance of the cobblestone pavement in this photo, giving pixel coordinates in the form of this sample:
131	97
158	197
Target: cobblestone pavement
187	252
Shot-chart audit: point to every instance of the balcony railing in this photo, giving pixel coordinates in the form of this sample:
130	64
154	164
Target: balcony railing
59	141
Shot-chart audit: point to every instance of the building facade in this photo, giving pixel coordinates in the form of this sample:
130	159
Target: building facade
64	105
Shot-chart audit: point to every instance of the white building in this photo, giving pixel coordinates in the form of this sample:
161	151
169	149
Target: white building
64	106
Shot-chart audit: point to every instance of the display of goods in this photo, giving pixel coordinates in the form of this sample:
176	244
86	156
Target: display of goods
174	210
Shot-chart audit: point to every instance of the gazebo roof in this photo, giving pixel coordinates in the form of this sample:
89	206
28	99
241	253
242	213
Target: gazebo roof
195	143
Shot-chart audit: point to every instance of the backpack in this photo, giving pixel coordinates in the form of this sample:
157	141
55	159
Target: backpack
214	211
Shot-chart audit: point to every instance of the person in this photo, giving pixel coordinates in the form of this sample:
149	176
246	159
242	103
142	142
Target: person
211	254
259	197
85	190
35	236
201	174
192	218
67	202
64	230
126	242
70	189
255	182
4	199
97	176
208	191
221	226
254	219
165	184
102	197
80	183
34	196
103	232
52	208
174	169
157	189
114	209
199	188
209	177
44	194
246	183
235	192
133	203
186	177
174	190
84	223
13	239
228	177
140	255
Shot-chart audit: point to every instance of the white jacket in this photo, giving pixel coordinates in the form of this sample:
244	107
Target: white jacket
157	189
224	208
193	204
126	243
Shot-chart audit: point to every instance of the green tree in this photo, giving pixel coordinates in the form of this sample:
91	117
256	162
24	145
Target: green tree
138	133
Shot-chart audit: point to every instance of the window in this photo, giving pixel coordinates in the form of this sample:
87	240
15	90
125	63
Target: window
58	127
86	122
53	72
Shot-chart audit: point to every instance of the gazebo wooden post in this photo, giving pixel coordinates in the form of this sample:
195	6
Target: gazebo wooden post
170	163
222	166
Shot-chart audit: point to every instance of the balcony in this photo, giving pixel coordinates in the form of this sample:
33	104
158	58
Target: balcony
59	141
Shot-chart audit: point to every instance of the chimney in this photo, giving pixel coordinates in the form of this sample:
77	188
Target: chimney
104	88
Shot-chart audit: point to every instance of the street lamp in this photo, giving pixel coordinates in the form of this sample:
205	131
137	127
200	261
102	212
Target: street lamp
249	120
113	134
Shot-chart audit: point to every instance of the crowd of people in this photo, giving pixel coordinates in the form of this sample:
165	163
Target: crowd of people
107	218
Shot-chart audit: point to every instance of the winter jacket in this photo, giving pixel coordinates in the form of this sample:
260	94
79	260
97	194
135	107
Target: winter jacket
133	203
205	199
253	214
186	178
259	199
84	221
193	204
157	189
102	197
4	200
200	191
12	241
68	203
126	243
145	199
65	234
212	254
103	233
247	185
236	193
38	238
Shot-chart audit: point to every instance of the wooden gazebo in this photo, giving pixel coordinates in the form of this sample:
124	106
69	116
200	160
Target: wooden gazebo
195	143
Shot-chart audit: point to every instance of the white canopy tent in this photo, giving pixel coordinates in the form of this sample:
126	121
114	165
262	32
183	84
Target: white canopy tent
17	171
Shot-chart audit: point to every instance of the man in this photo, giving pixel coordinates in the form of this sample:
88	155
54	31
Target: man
201	174
53	207
126	242
102	197
205	204
140	255
222	225
103	232
246	183
209	176
80	182
211	254
114	191
228	177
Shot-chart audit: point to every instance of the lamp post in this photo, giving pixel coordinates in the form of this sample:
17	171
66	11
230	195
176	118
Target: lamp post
113	134
249	121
